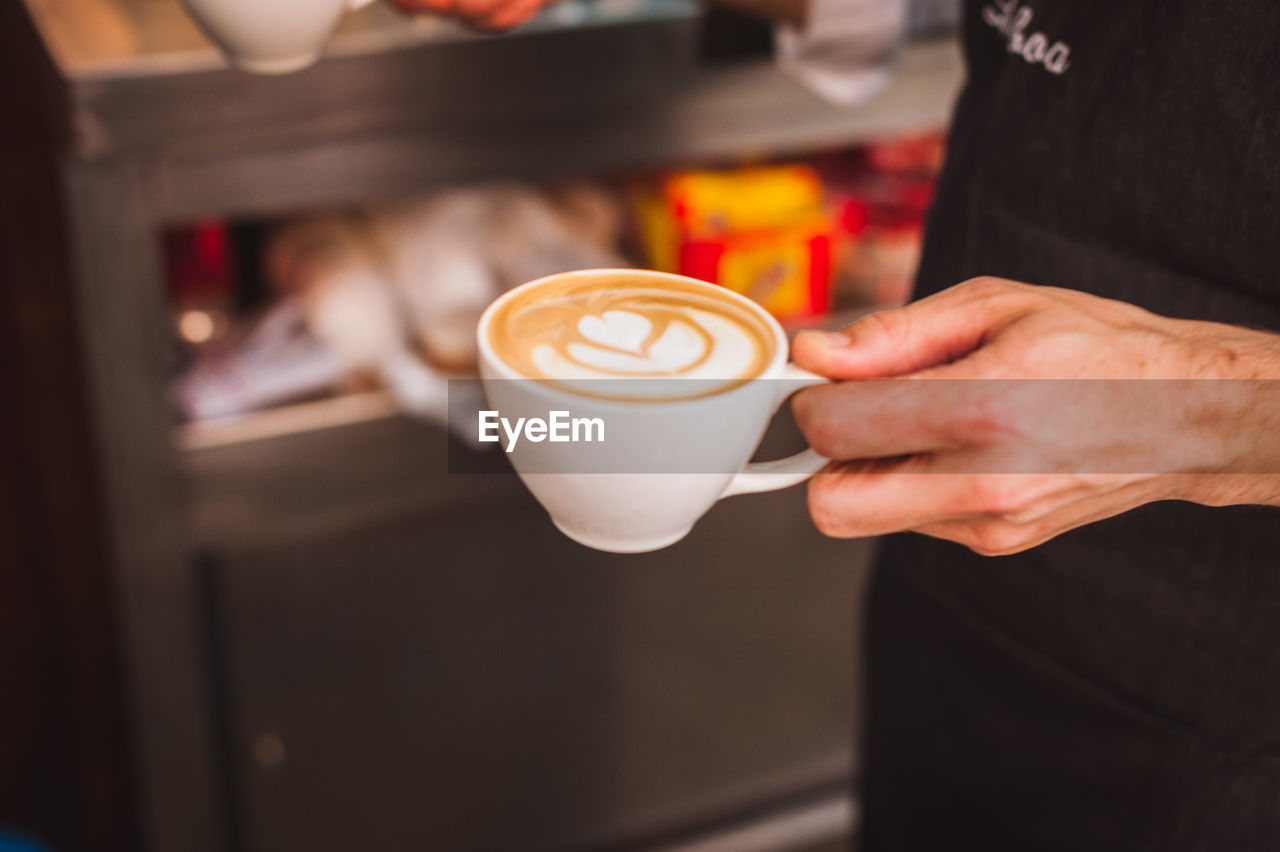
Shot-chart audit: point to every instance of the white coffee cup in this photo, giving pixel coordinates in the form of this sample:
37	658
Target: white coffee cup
627	512
270	36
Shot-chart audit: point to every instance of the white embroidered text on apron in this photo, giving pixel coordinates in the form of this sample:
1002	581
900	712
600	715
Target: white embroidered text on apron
1012	20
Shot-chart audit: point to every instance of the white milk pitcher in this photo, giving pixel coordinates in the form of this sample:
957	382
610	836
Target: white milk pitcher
270	36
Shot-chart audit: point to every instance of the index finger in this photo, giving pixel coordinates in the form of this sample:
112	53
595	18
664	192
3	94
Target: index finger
933	331
880	418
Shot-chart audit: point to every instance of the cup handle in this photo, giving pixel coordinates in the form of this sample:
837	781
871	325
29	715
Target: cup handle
785	472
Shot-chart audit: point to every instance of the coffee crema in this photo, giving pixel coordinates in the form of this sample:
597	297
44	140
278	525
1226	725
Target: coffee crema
585	333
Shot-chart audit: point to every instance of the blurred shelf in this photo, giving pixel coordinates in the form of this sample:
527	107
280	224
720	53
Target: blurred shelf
357	479
335	482
557	121
399	107
341	466
354	408
342	410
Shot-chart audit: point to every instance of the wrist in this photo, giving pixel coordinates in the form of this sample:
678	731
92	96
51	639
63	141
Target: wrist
1227	352
1234	414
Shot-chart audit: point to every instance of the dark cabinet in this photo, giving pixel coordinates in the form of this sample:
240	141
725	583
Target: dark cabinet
477	681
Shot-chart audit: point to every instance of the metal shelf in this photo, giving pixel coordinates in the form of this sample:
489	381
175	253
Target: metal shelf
147	128
356	149
399	107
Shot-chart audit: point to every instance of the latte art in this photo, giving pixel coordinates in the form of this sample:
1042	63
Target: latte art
584	333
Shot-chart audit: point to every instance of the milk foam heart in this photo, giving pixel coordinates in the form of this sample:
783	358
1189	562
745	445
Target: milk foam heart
617	327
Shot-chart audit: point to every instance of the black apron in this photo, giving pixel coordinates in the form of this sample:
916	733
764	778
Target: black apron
1119	687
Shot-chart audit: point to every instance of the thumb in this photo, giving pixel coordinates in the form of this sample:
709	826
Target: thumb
931	332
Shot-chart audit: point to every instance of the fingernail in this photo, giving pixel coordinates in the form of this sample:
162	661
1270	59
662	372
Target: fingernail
830	339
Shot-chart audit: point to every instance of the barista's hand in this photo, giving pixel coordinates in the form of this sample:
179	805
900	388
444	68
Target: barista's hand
1004	464
490	15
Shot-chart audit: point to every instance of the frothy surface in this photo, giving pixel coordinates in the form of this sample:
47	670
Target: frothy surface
585	332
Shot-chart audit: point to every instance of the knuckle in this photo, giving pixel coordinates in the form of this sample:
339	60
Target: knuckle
994	539
993	414
982	423
999	495
985	286
892	325
989	287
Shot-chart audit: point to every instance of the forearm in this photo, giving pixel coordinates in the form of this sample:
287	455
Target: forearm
1243	416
